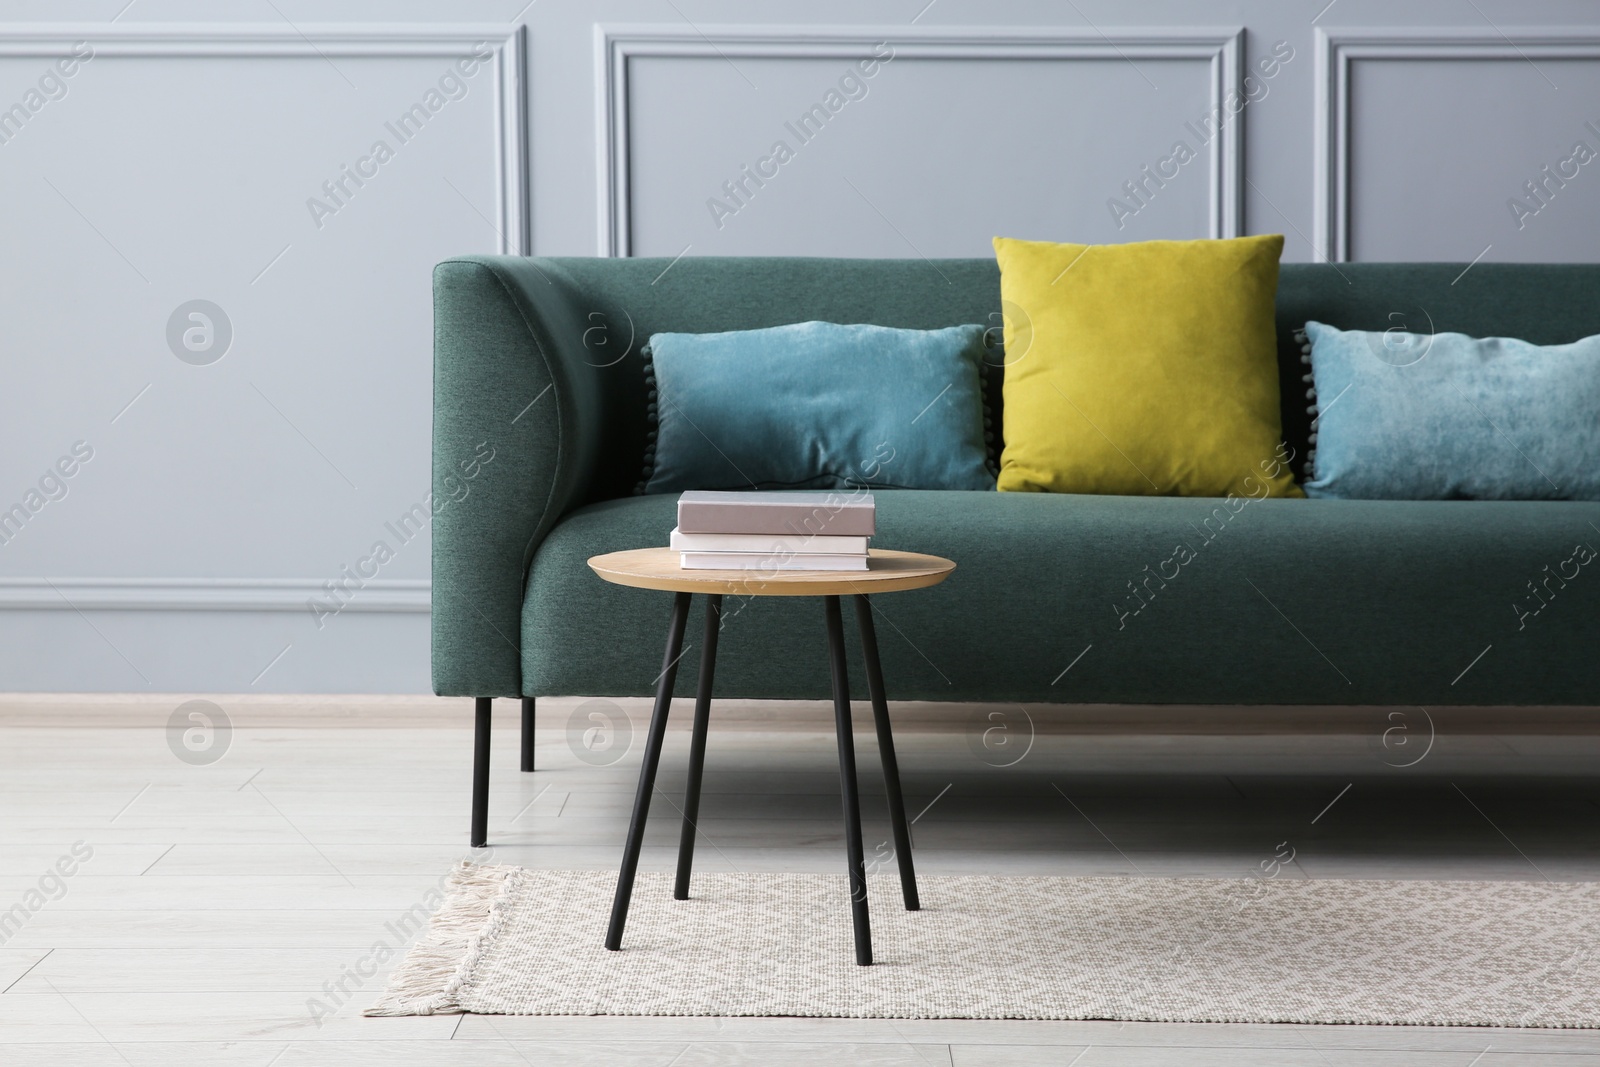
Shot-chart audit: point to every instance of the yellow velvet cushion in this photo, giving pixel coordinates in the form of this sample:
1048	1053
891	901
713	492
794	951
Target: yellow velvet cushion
1142	369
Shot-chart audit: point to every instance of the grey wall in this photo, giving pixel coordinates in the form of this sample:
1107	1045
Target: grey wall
175	164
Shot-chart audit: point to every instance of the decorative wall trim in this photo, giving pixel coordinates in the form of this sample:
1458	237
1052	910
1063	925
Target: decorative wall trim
616	45
1335	50
512	212
330	42
204	594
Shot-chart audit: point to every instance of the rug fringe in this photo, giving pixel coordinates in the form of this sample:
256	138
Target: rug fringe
429	980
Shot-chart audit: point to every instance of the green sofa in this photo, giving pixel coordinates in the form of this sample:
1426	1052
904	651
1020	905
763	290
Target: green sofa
1285	602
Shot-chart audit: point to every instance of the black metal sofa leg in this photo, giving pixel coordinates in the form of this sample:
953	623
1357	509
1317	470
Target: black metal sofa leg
483	708
527	733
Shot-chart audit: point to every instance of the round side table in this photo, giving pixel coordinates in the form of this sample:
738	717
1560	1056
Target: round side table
657	568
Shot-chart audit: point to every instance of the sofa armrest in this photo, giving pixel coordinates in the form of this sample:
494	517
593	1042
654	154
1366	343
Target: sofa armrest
518	425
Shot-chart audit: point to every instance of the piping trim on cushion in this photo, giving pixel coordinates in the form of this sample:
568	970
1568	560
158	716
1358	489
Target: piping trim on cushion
1311	394
652	414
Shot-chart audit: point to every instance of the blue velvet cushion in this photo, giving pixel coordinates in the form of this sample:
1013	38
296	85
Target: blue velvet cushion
1404	416
817	405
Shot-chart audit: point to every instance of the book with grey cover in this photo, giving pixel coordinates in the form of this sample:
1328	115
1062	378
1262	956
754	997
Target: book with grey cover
759	562
768	543
797	514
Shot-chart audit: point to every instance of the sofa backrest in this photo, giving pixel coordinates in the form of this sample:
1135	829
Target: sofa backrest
626	300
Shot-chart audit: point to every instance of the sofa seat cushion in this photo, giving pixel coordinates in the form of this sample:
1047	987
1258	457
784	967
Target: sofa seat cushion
1109	599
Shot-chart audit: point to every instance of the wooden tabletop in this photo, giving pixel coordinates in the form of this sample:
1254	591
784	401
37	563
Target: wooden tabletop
887	571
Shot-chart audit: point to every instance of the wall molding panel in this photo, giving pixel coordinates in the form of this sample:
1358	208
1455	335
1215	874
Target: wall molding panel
616	45
1334	52
508	46
510	215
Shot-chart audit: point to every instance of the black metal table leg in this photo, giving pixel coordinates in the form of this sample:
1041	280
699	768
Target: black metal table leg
891	766
647	771
483	715
847	781
527	733
697	744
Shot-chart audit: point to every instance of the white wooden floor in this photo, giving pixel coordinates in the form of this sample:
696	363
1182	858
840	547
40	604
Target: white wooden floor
219	899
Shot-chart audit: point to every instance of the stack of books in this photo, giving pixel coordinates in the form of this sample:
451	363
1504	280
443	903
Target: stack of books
820	531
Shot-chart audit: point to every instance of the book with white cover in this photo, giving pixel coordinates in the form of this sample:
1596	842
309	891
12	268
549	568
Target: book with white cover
768	562
798	514
768	543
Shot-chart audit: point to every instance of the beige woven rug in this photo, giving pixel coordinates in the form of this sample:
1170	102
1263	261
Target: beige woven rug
513	941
